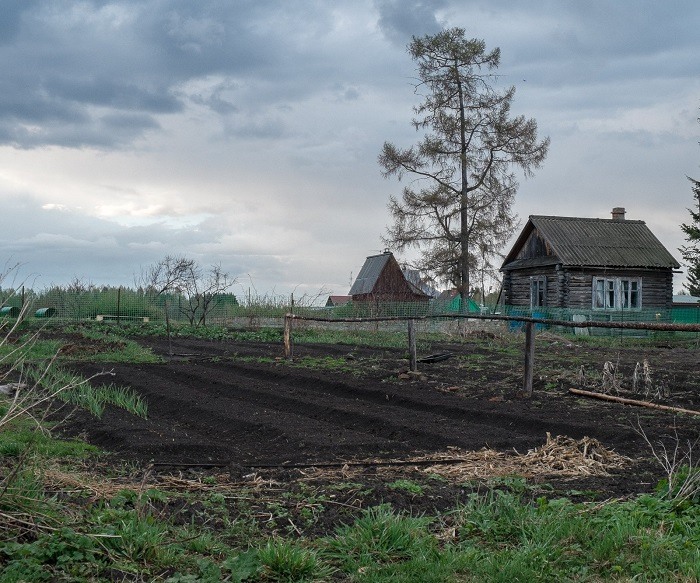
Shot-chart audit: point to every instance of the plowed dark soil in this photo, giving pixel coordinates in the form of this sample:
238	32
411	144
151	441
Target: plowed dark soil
217	402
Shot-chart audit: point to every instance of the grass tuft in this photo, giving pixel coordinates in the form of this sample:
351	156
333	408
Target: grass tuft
283	560
380	536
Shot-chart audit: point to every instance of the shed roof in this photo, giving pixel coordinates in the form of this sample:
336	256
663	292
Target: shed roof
686	300
370	272
413	277
337	300
583	242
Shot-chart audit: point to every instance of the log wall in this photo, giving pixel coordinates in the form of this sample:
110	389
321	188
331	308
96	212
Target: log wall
516	286
573	288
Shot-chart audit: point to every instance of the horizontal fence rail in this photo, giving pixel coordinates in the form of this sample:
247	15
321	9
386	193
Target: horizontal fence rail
660	326
529	322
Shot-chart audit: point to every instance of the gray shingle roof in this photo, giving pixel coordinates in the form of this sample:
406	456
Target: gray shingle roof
370	272
418	284
596	242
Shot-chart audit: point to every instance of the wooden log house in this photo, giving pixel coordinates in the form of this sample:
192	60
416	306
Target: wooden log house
604	265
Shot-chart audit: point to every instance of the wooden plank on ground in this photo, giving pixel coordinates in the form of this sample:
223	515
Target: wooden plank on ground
635	402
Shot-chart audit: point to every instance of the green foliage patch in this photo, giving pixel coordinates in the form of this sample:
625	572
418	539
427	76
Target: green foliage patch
500	534
506	531
74	389
23	437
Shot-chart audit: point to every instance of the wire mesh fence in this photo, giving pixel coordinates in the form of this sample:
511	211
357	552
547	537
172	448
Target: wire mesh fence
122	304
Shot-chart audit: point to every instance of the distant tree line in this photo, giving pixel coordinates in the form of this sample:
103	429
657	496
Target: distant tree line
177	284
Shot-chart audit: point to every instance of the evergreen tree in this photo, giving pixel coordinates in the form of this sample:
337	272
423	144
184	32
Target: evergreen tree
691	252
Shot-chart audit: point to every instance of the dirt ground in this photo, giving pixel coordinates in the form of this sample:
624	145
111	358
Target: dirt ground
216	403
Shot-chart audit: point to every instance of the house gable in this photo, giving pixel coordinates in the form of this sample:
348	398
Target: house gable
533	250
381	278
369	274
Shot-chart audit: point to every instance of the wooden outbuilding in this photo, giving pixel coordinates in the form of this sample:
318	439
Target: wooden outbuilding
588	264
381	280
335	301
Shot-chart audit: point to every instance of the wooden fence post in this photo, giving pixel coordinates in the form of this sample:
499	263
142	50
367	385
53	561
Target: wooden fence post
529	358
167	328
288	336
23	307
119	305
412	360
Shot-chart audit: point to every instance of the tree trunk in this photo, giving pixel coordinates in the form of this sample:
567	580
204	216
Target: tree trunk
464	199
412	360
464	257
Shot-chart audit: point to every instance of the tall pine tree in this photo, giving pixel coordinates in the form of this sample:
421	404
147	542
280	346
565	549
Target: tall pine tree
691	252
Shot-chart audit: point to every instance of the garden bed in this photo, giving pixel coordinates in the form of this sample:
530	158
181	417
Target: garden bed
226	404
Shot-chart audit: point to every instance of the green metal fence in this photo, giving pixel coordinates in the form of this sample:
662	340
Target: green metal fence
111	304
652	316
686	315
123	303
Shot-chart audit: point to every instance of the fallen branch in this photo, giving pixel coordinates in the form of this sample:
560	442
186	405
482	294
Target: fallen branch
305	466
632	402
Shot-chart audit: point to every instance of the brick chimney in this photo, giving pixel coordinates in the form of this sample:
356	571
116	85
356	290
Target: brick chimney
618	213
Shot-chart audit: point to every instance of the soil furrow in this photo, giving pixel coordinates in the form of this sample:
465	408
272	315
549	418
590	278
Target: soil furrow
420	408
220	401
342	422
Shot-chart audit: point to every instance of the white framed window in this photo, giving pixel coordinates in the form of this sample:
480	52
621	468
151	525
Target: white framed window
538	291
617	293
631	293
603	293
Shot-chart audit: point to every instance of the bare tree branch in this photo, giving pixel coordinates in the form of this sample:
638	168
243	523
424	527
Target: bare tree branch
200	289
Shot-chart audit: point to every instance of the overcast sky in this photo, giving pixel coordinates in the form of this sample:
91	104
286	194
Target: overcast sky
246	132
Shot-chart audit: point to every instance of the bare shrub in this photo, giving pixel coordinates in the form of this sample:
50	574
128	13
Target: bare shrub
199	289
680	463
641	378
611	378
642	383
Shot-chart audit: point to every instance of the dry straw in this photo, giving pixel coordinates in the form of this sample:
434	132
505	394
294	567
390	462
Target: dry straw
560	456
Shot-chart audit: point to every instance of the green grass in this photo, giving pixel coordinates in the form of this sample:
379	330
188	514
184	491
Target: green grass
498	534
130	352
22	437
301	334
379	537
507	344
407	486
112	346
28	348
328	363
76	390
106	346
502	532
283	560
